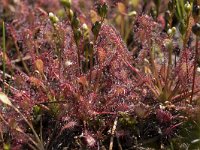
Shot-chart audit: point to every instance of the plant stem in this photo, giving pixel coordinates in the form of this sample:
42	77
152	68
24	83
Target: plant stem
79	57
92	54
154	69
112	133
76	42
39	144
195	68
26	135
4	55
21	58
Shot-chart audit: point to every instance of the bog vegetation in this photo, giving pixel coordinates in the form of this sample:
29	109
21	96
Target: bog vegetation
106	74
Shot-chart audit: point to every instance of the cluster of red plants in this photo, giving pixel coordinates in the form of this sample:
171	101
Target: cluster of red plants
82	89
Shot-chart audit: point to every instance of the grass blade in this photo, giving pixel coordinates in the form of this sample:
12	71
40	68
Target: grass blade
4	54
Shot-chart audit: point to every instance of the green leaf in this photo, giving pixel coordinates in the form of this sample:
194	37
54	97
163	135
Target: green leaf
4	99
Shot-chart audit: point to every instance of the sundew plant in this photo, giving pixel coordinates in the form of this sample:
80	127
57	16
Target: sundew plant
99	75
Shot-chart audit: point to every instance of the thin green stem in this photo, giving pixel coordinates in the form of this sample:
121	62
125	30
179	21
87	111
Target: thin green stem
122	26
157	10
92	54
169	68
154	69
76	42
4	55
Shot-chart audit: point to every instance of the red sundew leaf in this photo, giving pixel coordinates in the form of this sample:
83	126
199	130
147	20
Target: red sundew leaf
146	30
68	87
65	118
132	96
121	8
120	91
68	126
163	116
89	139
161	20
142	110
41	11
39	65
19	80
170	129
104	113
92	99
36	82
101	54
122	107
83	80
